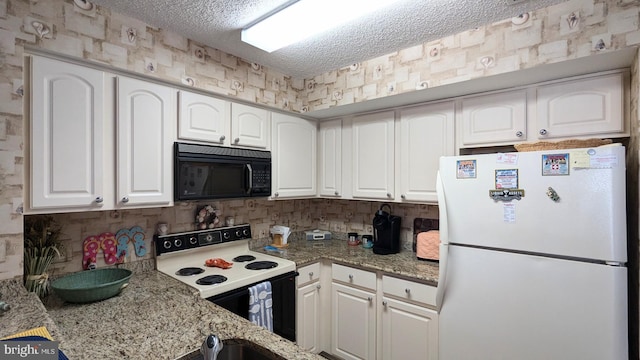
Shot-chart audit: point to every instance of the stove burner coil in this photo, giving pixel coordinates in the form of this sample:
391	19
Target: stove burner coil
188	271
261	265
244	258
211	280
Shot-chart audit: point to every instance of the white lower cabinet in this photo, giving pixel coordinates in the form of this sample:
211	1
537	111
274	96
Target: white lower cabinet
409	327
353	334
308	311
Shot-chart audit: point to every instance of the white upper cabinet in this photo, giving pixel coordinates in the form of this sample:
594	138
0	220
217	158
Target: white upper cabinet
146	118
294	157
330	158
249	126
67	129
589	106
494	119
426	134
203	118
373	156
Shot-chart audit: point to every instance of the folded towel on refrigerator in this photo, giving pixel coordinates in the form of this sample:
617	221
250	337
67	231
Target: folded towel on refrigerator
260	305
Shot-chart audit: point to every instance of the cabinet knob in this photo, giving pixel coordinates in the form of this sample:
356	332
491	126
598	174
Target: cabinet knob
318	287
276	194
543	131
236	140
519	133
384	303
350	277
403	196
222	138
99	199
388	195
370	299
337	193
125	199
310	273
407	290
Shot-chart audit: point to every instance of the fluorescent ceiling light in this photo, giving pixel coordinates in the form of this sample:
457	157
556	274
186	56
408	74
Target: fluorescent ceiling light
305	18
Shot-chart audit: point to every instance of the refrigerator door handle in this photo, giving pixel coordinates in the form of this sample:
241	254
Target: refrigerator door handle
444	243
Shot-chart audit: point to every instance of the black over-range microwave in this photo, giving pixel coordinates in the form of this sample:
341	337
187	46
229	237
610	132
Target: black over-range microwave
213	172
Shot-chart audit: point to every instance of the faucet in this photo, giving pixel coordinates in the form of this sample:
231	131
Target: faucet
4	307
210	348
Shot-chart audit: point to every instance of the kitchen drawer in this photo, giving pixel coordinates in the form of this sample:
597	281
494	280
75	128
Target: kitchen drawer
308	273
353	276
409	290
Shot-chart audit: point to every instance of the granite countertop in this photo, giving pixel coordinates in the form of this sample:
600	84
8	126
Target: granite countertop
26	313
159	317
403	264
155	317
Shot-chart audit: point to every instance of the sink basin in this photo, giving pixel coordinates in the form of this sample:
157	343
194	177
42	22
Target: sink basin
237	349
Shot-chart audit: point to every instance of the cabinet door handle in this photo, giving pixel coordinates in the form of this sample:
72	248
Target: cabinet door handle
236	140
99	199
125	199
276	194
310	273
407	290
543	131
370	299
350	277
389	195
403	196
336	193
384	303
318	287
519	133
222	138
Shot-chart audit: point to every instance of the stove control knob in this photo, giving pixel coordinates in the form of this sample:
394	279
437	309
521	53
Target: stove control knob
177	242
245	232
226	235
238	234
193	240
167	244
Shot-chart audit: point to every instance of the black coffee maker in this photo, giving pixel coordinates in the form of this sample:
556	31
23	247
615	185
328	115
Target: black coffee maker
386	232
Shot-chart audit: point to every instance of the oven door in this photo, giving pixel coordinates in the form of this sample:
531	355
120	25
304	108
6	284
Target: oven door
283	294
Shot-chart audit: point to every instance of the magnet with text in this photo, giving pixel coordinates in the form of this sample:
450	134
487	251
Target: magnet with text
555	164
466	169
506	194
506	178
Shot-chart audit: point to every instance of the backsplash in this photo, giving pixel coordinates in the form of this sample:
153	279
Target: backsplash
339	216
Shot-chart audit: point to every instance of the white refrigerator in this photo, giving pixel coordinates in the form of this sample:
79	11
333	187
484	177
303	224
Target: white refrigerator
533	256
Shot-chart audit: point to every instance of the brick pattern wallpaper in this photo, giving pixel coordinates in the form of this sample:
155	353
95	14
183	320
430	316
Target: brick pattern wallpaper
576	28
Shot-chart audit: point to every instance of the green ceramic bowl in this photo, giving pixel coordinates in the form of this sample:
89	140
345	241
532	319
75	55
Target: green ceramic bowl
91	285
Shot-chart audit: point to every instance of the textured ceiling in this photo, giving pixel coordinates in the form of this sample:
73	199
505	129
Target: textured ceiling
217	23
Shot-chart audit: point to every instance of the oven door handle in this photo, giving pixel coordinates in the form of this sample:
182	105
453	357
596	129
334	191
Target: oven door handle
249	178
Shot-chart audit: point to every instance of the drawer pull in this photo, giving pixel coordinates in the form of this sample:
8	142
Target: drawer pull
350	277
407	290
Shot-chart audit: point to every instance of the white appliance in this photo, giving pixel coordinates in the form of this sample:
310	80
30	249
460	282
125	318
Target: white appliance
538	271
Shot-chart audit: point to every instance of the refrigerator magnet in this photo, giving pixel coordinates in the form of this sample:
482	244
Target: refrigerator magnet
506	178
466	169
555	164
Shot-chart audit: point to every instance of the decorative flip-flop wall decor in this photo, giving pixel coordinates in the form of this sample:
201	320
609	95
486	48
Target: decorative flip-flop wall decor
114	247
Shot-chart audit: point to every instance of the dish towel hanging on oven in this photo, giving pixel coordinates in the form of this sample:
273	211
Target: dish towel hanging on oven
260	305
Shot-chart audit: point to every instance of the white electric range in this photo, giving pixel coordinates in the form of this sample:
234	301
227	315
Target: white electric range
183	255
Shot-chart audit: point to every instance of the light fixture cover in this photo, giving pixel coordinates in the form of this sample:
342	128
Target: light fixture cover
305	18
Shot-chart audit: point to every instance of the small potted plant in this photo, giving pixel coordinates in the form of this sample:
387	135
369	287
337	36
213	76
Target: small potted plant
41	247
